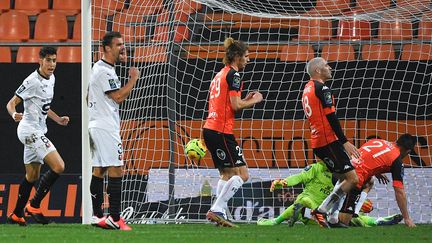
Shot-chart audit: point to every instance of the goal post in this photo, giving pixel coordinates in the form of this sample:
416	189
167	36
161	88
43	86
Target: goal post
381	55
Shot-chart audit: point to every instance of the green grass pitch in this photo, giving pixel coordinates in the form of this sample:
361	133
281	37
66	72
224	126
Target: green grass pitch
205	233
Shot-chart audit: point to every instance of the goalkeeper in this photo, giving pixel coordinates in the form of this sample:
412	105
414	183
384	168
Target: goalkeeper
318	183
317	180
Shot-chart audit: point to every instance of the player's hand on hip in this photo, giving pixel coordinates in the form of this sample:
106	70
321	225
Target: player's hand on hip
134	73
277	184
17	116
64	120
352	150
409	223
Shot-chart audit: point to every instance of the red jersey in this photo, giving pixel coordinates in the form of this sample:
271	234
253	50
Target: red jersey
220	117
379	156
318	101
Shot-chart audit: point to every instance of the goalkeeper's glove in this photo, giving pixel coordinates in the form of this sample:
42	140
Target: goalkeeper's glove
278	184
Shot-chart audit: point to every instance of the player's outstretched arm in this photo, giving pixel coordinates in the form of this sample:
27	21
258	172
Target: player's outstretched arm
121	94
61	120
251	99
11	108
402	203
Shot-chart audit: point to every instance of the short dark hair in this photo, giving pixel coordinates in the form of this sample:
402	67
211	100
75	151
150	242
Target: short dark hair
233	48
47	50
108	37
406	141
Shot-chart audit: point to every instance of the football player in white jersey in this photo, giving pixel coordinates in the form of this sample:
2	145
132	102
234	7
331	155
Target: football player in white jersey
104	96
36	92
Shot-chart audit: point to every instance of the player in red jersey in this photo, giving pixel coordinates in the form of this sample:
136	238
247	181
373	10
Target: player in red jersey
225	99
379	156
328	140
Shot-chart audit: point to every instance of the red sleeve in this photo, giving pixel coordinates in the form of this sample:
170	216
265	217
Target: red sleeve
234	93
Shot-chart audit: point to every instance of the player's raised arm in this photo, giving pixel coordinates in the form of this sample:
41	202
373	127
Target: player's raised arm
11	108
121	94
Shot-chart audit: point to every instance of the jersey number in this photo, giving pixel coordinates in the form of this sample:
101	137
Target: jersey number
215	88
377	144
306	107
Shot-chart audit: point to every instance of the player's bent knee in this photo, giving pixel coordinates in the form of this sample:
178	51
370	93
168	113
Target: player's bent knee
32	177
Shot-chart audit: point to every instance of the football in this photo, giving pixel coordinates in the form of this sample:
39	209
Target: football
195	149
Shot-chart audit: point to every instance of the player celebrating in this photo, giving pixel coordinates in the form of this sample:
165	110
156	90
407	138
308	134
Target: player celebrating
225	100
380	156
37	92
105	95
328	140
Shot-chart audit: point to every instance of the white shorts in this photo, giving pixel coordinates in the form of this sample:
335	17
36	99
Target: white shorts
36	146
106	148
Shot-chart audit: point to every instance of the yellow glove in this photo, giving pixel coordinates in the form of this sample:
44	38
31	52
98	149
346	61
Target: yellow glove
278	184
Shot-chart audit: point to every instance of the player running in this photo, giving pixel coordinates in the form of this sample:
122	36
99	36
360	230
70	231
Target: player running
380	156
37	92
328	140
224	100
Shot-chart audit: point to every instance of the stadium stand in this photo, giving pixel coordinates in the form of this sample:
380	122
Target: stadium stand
31	7
29	54
296	53
14	27
51	26
378	52
5	54
416	52
67	7
69	54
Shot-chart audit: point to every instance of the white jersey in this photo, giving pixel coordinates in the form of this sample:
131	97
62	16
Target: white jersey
37	93
103	111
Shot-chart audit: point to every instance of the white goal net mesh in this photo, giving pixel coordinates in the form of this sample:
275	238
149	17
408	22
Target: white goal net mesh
381	55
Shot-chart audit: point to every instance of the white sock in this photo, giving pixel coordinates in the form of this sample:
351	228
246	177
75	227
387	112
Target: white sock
333	216
227	192
360	202
332	199
220	185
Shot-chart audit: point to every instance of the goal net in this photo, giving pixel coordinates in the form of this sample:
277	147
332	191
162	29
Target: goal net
380	52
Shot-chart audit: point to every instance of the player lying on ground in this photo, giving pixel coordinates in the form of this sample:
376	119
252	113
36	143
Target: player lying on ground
37	92
317	180
380	156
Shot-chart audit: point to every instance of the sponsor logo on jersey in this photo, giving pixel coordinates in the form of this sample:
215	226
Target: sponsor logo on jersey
236	81
21	89
113	83
220	154
328	98
329	162
238	162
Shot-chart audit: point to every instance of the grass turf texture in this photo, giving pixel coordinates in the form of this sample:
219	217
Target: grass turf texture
209	233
